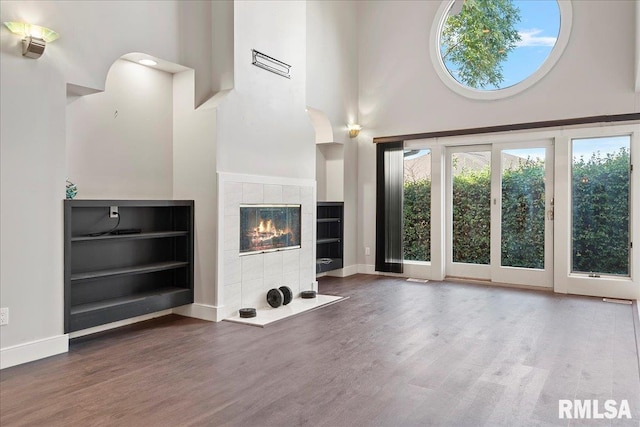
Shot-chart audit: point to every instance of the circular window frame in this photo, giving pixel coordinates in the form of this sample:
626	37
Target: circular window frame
566	22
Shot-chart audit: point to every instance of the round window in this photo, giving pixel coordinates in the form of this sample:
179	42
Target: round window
491	49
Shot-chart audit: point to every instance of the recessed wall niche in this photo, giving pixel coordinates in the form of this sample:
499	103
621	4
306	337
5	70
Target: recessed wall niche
120	141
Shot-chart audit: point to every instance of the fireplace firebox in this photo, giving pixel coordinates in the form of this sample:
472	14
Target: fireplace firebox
267	228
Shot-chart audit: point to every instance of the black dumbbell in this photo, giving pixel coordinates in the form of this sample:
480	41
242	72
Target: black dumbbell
275	297
288	295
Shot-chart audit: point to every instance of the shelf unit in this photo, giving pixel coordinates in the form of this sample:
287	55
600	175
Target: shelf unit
111	277
330	229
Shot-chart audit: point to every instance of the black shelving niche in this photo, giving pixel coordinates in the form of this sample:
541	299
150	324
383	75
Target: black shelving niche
111	277
329	235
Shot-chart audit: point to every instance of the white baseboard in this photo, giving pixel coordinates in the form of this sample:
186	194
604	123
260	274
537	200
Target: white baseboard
349	270
201	311
118	324
367	269
34	350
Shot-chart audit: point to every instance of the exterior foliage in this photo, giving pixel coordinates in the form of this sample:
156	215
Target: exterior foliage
478	40
600	216
601	213
472	216
417	220
523	211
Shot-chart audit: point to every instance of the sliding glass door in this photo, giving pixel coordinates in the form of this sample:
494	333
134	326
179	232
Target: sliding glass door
522	214
469	212
500	213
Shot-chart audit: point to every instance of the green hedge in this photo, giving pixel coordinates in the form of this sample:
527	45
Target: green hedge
472	216
523	215
417	220
600	221
600	197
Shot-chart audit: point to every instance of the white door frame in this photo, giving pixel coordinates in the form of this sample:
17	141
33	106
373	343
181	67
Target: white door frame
518	275
459	269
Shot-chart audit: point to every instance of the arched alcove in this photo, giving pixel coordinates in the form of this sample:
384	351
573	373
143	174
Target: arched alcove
119	142
142	138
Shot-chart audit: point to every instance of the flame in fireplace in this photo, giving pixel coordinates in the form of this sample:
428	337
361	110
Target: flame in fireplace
264	228
265	231
267	227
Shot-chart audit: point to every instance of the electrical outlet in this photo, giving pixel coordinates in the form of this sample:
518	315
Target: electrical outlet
113	212
367	251
4	316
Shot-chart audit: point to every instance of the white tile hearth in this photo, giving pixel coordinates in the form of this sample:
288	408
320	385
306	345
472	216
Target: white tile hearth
232	198
291	260
252	193
308	223
305	283
253	293
243	281
232	297
290	194
232	267
292	280
273	264
232	234
252	267
266	316
273	193
307	200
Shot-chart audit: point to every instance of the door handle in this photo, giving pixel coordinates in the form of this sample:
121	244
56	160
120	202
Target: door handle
550	214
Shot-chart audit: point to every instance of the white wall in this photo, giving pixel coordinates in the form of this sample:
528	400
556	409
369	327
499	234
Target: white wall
120	142
321	175
32	138
194	178
332	172
332	67
332	87
263	128
400	92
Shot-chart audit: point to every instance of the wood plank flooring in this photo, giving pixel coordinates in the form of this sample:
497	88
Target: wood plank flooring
395	354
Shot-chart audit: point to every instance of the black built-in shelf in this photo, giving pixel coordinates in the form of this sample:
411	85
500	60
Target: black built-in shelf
330	229
111	277
135	236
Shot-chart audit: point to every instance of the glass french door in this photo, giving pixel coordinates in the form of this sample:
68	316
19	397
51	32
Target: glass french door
500	213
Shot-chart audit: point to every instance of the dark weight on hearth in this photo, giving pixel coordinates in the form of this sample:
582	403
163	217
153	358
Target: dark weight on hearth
275	297
307	294
247	312
287	293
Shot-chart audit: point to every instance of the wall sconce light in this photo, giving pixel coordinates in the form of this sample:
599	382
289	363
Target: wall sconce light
35	37
354	130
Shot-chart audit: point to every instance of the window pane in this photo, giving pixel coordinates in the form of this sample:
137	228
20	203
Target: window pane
523	208
417	205
600	198
471	207
494	44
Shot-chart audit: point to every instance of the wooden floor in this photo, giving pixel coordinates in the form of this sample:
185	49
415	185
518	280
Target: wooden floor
396	353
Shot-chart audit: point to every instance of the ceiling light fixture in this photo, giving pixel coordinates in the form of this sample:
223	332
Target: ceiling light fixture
147	62
35	37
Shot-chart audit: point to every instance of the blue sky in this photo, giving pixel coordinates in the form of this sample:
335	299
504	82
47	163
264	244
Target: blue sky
539	27
582	147
612	144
